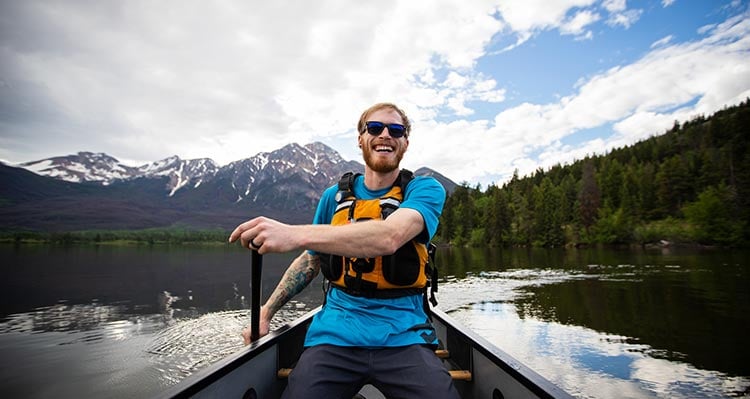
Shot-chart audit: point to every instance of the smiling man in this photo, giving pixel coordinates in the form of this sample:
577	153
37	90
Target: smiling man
369	238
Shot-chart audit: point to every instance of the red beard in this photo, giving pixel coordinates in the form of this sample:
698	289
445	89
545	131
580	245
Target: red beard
379	164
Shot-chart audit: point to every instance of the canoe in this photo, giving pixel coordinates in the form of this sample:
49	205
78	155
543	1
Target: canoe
479	369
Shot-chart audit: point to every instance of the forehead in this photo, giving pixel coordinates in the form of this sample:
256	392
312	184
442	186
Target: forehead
387	115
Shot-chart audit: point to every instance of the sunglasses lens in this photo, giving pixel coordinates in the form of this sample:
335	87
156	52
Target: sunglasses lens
375	128
394	129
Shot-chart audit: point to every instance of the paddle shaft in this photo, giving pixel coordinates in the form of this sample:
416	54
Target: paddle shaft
256	265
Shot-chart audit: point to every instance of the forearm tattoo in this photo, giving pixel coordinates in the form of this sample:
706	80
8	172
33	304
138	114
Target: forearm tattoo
298	276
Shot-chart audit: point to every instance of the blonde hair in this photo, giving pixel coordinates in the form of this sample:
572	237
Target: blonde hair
378	107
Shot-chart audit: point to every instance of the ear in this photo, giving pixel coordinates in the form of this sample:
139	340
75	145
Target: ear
359	141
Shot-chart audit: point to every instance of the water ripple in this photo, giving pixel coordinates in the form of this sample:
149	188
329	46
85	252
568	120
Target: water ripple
190	344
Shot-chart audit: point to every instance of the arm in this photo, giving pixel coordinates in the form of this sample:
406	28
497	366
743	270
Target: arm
363	240
298	275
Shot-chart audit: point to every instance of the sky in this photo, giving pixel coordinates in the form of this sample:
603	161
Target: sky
491	87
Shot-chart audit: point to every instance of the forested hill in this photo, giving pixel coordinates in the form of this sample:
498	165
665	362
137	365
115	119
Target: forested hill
689	185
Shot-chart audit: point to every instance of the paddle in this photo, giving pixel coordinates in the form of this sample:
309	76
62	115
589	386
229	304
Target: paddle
256	264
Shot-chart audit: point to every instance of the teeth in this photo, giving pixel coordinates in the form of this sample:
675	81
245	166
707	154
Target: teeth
383	148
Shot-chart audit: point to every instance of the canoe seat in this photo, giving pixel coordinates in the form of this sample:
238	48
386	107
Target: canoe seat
459	375
442	353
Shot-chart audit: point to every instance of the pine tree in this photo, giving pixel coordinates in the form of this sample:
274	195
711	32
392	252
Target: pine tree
589	197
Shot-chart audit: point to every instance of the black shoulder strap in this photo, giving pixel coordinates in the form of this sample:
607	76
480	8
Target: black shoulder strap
346	186
404	178
346	183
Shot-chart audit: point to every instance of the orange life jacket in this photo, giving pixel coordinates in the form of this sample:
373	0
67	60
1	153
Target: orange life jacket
403	273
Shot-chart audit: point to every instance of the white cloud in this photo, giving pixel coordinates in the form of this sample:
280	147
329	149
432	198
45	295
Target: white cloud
527	17
577	24
640	99
625	19
236	78
530	15
662	42
146	80
614	6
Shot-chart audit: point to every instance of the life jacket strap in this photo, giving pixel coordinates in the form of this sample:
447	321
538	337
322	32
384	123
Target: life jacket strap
433	273
346	183
390	293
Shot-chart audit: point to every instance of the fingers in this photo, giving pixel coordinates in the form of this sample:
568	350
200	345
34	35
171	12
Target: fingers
237	232
240	232
252	239
246	336
253	245
264	235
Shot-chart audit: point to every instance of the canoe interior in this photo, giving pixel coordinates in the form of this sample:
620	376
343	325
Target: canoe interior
252	372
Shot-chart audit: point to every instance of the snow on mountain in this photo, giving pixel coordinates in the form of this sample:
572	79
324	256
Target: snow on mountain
317	163
82	167
292	176
181	173
285	184
104	169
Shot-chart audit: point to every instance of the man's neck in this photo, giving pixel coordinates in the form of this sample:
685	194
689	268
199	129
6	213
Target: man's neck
376	180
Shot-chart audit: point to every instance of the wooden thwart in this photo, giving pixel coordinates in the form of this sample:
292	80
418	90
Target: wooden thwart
442	353
459	375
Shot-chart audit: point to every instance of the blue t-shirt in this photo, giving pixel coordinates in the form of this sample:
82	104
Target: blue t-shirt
348	320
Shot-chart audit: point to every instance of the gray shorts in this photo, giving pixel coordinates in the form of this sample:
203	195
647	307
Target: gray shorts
327	371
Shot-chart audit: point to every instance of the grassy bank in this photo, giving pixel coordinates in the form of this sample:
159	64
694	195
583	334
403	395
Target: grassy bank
120	237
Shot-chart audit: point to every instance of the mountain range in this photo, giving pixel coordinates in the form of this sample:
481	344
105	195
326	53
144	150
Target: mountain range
95	191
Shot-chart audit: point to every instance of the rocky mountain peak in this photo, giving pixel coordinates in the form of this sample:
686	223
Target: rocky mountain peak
292	168
82	167
285	183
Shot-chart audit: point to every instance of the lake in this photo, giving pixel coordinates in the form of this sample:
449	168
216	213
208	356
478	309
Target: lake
128	321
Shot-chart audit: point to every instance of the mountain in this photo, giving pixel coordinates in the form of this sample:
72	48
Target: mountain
448	184
99	168
96	191
82	167
181	173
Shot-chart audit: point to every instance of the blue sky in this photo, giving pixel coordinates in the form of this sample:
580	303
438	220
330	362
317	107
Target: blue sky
491	86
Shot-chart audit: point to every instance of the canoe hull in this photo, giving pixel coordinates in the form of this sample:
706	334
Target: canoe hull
253	372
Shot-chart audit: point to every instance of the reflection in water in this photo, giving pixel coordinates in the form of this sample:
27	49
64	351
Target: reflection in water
96	320
592	364
599	323
82	350
585	362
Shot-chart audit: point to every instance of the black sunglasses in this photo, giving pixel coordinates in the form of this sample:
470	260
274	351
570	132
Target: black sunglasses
394	129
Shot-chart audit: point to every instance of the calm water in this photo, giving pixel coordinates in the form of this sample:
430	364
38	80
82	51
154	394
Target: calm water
122	322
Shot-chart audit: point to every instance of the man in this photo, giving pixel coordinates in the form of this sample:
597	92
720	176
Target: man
373	327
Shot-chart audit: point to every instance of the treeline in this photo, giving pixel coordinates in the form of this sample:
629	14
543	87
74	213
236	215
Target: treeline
145	236
689	185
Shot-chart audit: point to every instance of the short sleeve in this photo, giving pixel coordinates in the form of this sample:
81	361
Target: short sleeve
427	196
326	207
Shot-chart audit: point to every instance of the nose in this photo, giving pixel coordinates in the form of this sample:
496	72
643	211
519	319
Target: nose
385	129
